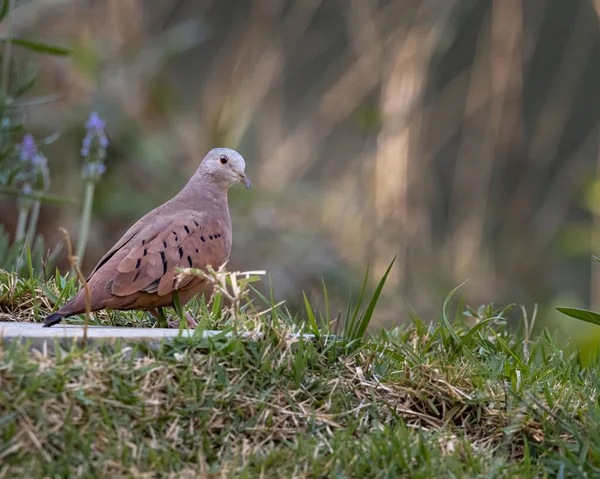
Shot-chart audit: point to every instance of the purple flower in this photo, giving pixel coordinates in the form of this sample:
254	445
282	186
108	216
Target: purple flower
35	170
28	149
94	123
93	170
95	132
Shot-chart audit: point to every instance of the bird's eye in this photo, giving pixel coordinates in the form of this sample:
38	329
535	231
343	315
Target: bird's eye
223	159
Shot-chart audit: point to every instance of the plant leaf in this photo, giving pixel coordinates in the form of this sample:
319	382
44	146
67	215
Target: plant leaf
581	314
510	352
38	100
43	197
39	47
366	316
351	326
216	306
312	322
327	315
457	339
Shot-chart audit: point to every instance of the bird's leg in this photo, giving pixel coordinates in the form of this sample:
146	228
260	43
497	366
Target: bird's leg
161	319
191	322
189	319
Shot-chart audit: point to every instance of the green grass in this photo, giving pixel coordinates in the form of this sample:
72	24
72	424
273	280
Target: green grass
463	397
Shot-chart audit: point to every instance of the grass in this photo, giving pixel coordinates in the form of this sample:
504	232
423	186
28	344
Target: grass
464	397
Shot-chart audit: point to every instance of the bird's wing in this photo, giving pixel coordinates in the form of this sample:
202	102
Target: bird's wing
181	240
126	238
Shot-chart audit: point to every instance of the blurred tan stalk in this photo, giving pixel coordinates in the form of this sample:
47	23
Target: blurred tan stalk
370	130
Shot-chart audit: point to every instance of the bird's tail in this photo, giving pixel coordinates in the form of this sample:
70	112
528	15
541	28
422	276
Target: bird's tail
53	319
71	308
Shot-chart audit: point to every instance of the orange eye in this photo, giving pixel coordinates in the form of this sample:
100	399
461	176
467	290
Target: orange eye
223	160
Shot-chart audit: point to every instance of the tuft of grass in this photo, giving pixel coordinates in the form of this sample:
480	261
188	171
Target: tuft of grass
356	324
463	397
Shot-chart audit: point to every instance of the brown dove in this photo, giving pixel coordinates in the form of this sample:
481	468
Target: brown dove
193	229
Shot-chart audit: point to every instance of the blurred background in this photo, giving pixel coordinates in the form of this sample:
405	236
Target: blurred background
459	135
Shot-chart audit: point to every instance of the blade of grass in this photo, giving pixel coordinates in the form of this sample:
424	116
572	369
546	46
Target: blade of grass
274	315
478	327
29	262
216	306
351	331
327	314
448	325
180	313
365	319
502	343
312	322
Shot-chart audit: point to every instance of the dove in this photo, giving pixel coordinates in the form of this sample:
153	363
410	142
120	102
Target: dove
193	229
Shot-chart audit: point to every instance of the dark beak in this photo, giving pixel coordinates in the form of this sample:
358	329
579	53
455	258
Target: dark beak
245	181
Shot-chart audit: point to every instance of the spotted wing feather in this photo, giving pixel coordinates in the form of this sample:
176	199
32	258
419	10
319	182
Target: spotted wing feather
186	239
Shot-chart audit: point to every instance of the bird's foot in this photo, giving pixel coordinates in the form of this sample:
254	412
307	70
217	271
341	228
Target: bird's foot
173	322
191	322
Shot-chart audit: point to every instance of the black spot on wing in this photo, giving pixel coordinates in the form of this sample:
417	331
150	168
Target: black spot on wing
187	230
180	252
189	258
137	264
164	260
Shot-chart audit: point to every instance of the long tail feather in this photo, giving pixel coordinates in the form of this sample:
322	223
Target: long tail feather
53	319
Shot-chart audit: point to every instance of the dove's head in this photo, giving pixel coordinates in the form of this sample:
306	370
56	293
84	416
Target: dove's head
225	167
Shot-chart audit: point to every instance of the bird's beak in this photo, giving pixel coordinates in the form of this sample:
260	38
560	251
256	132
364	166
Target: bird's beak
245	181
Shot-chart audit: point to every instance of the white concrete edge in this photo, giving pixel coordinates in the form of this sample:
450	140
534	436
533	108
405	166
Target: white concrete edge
35	332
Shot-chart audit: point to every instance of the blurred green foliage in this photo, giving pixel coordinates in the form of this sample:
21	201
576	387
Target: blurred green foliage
23	170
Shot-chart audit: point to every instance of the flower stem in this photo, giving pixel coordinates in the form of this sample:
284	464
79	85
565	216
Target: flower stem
21	223
86	216
33	220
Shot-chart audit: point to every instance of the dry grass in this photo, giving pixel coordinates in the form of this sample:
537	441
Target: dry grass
227	406
21	300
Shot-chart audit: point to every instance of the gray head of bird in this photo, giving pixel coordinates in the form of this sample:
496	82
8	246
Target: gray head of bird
225	167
